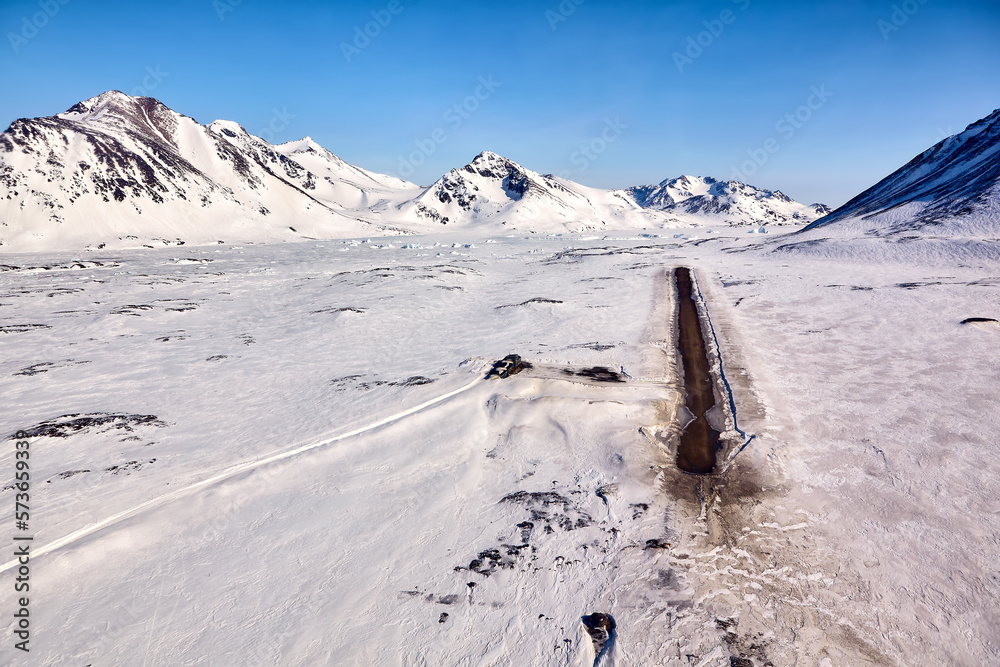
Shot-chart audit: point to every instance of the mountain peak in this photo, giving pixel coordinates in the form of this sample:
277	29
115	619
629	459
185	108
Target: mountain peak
111	103
108	97
490	165
113	112
303	145
230	128
489	160
488	156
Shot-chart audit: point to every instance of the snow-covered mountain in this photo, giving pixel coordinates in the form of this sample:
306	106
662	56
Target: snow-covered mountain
493	190
118	170
951	189
121	171
732	202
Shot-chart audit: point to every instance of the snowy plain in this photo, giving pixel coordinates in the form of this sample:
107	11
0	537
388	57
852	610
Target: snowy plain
857	527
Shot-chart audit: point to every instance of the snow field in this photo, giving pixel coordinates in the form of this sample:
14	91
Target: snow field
855	528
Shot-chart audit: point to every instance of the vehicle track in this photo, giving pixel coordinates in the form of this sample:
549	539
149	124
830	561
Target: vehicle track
233	470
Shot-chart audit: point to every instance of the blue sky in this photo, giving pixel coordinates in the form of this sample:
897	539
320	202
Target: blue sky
607	94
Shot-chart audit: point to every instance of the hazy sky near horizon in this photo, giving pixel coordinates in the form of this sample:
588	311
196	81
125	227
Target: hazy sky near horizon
818	99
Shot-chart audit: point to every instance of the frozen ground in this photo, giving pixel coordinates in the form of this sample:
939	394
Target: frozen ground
167	386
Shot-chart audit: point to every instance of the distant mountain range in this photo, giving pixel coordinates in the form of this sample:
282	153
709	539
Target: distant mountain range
492	190
732	201
121	171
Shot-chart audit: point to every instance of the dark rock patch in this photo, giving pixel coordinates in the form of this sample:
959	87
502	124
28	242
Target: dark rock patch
333	309
412	381
536	299
59	291
372	384
36	369
526	528
128	467
67	425
22	328
601	628
597	373
489	561
598	347
46	366
551	508
638	509
132	309
342	382
67	474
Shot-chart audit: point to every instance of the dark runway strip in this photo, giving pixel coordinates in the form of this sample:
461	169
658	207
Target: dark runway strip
699	441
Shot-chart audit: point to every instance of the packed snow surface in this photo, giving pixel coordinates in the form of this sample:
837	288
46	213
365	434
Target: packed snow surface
288	454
